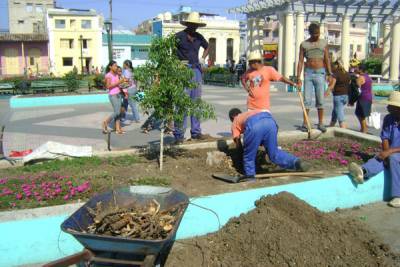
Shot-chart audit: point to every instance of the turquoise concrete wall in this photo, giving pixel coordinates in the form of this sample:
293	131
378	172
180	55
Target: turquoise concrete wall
40	240
28	102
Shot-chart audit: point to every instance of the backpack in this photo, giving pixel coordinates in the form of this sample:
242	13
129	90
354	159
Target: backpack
354	91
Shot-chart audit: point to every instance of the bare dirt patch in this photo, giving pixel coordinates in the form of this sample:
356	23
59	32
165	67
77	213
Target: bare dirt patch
285	231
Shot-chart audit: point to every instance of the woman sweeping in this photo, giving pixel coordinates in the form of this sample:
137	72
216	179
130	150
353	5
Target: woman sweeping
112	82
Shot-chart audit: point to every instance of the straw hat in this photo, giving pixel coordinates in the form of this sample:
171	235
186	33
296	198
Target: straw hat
193	18
394	99
255	55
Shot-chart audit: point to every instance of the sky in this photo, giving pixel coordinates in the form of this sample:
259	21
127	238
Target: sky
129	13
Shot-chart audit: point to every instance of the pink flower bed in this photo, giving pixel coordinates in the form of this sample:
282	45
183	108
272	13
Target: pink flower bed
40	189
337	152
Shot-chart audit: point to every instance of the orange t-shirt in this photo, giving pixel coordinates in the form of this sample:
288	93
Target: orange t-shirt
259	86
239	122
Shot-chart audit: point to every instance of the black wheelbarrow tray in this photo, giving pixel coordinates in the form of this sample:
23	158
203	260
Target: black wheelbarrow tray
124	198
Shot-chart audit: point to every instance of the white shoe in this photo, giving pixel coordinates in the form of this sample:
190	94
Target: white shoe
356	173
395	202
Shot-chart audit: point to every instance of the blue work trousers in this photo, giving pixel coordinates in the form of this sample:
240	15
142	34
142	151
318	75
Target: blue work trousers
195	93
375	166
261	129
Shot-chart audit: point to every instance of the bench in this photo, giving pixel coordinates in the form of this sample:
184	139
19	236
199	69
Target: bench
48	86
220	79
7	88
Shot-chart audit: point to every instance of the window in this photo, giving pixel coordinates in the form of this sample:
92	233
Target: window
359	48
229	49
85	43
212	44
67	43
86	24
67	61
29	7
31	61
35	27
275	34
20	22
351	50
266	33
72	23
60	23
17	3
39	8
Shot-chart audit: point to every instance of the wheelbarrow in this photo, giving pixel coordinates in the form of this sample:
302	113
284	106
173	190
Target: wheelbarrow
101	250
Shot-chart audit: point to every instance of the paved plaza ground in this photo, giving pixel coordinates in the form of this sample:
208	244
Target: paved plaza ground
80	124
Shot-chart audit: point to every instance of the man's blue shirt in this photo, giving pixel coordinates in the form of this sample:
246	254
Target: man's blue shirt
188	50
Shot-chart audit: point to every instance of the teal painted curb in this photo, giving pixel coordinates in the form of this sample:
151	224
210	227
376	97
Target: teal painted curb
40	240
29	102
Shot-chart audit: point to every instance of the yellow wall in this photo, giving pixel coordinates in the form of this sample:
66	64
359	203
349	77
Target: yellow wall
73	32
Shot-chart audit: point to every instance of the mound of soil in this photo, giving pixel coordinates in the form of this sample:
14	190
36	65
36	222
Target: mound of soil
285	231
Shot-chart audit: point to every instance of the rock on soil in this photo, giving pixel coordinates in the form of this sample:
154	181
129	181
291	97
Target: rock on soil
285	231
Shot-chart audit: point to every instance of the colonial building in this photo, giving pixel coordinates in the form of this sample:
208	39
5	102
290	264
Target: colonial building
127	45
75	39
23	54
222	34
28	16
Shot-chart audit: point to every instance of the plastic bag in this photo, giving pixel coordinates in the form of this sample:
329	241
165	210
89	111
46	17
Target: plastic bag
374	120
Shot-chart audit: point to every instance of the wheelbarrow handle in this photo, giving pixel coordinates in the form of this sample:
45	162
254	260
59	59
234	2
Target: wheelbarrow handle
85	255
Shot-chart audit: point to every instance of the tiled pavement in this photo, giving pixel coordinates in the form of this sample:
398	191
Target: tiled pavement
80	124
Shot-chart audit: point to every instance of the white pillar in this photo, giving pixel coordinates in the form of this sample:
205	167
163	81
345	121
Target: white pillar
289	46
257	35
345	48
280	44
249	36
386	51
322	29
395	48
221	50
299	35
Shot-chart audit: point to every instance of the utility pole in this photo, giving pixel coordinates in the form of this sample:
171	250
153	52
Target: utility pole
111	30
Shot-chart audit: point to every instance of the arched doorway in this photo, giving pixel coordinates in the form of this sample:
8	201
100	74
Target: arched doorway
212	44
229	49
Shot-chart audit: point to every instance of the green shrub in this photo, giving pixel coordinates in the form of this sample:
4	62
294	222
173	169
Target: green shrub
98	81
374	65
72	80
217	70
384	93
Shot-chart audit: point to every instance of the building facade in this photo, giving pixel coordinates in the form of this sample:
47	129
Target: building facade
75	40
28	16
127	45
22	54
222	34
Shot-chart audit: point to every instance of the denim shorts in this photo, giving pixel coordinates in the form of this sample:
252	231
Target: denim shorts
314	83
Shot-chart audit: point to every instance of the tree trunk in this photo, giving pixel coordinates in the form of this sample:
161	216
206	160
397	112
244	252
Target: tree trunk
161	160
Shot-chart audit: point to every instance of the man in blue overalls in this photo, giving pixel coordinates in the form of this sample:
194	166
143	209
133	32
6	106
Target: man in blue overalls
189	43
389	158
260	128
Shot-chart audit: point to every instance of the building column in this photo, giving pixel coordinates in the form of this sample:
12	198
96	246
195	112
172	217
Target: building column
345	47
280	43
24	65
289	47
395	48
249	36
257	35
386	51
322	29
299	36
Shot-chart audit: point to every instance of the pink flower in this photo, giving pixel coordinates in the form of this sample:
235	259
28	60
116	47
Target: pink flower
3	180
12	204
66	197
18	196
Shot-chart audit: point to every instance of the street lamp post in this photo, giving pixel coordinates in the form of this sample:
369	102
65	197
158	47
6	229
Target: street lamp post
108	25
82	68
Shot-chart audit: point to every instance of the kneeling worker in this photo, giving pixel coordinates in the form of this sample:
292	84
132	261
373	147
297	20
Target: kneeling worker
260	128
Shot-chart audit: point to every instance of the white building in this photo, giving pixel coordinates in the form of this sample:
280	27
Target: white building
222	34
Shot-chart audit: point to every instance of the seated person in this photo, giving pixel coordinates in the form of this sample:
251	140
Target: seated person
389	158
260	128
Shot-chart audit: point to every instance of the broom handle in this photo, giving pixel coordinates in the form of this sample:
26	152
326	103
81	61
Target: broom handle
305	113
279	174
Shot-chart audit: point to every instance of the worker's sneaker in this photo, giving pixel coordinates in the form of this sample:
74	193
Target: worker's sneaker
247	178
356	173
322	128
303	128
302	166
395	202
